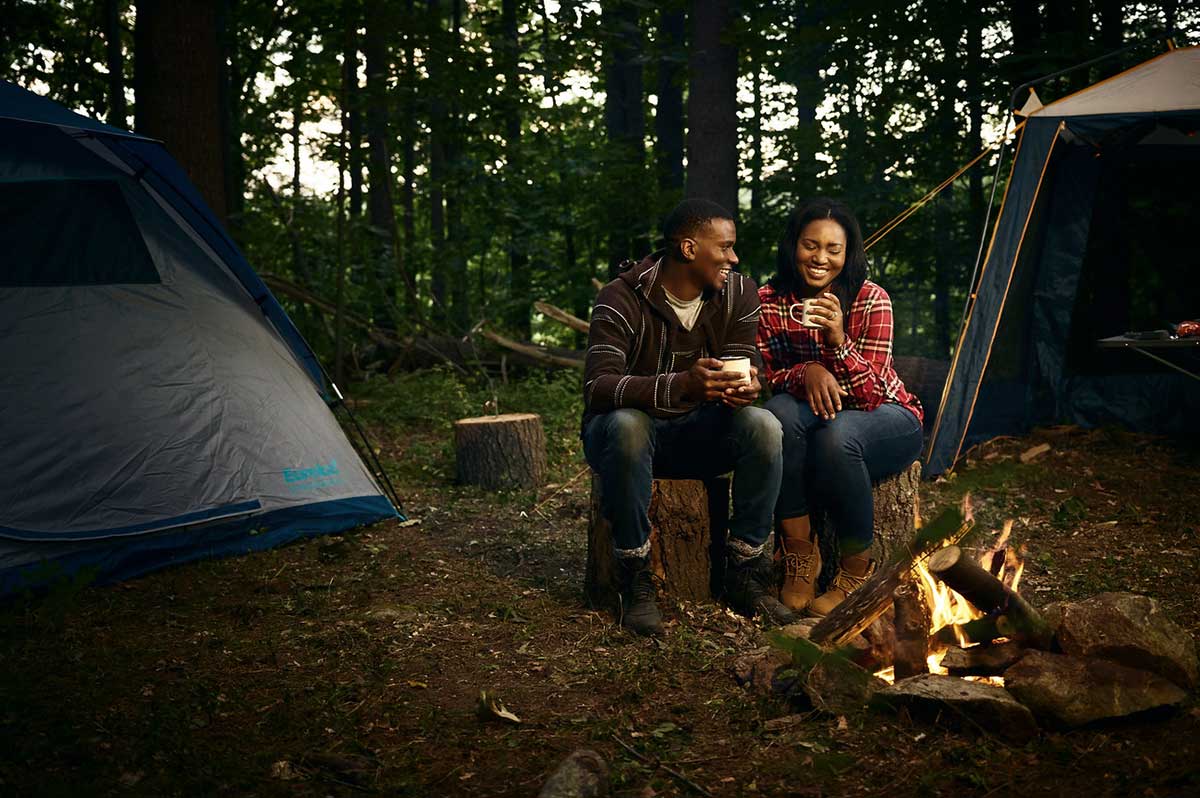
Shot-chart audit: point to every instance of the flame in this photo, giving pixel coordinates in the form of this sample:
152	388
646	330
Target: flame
948	608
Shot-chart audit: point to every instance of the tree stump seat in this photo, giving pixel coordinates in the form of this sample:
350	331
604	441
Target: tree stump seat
689	519
502	451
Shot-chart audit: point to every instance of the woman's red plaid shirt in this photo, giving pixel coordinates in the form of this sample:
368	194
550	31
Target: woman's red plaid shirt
862	365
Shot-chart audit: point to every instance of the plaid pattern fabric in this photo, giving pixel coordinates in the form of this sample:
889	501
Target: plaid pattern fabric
862	365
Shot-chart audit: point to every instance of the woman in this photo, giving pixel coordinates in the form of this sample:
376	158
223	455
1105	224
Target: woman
847	418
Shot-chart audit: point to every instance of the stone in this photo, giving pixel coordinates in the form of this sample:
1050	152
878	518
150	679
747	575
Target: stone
583	774
1069	691
838	686
989	659
756	670
965	704
1130	630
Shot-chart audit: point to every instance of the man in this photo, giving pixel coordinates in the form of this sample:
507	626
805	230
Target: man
657	403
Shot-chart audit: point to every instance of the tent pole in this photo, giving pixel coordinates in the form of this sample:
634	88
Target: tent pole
987	218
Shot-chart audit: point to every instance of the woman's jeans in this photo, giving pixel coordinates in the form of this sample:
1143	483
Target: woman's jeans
628	448
834	463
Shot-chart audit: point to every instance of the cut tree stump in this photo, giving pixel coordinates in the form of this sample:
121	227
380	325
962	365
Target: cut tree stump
502	451
689	519
896	509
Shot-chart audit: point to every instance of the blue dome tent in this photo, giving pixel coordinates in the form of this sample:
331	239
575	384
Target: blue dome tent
1095	174
157	403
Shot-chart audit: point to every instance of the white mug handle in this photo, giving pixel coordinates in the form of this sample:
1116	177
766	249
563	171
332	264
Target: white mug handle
792	312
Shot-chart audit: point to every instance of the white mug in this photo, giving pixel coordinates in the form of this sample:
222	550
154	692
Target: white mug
738	365
805	309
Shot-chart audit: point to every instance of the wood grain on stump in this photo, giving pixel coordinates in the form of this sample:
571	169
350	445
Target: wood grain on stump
688	521
501	451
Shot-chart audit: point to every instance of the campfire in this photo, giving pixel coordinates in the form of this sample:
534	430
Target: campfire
950	613
961	642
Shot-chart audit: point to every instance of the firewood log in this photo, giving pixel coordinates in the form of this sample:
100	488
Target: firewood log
1016	619
912	631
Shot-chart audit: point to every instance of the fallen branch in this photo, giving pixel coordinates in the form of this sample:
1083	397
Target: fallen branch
560	315
532	351
289	289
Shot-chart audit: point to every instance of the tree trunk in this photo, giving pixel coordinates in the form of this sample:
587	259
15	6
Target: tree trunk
712	105
408	135
386	267
689	520
437	162
805	61
350	104
668	114
177	87
1025	61
114	61
520	280
230	93
502	451
756	159
624	124
455	251
975	108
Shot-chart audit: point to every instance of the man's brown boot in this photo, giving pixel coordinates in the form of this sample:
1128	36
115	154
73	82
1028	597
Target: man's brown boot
853	573
801	563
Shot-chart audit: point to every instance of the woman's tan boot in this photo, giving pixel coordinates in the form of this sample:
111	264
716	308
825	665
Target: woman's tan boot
801	563
853	573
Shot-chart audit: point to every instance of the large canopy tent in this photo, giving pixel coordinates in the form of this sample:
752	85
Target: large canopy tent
1095	237
157	404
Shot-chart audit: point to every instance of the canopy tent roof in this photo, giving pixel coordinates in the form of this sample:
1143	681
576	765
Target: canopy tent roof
1169	82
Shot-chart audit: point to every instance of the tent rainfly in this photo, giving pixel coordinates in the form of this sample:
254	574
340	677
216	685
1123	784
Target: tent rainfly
1096	174
157	404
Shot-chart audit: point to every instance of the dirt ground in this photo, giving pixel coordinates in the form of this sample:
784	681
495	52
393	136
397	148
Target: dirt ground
353	664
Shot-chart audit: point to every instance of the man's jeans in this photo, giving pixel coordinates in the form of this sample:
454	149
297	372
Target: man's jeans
833	463
628	448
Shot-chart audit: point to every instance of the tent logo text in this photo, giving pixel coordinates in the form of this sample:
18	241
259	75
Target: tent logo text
318	476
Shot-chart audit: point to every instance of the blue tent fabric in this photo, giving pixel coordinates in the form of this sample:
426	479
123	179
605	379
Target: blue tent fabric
974	348
1028	284
152	415
22	104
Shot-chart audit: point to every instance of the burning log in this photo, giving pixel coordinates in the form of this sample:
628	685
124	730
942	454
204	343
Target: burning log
1015	618
985	660
911	654
980	630
871	600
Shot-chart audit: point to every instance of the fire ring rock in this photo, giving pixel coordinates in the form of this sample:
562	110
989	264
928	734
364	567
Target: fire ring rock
966	704
1069	691
1130	630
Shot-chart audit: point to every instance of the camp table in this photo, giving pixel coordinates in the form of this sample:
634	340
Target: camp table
1146	347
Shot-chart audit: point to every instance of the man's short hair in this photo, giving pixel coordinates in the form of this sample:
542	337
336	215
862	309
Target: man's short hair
688	219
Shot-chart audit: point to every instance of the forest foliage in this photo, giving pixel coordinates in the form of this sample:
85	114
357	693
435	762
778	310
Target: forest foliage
427	166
